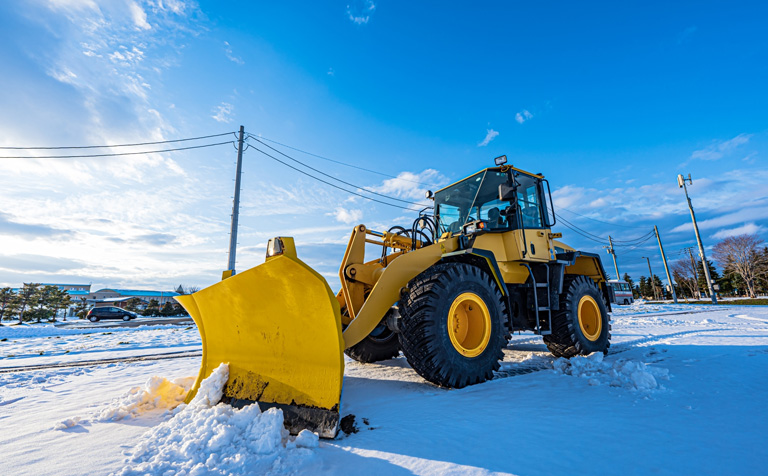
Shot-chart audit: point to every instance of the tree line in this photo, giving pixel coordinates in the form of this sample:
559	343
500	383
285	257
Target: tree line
33	302
743	259
37	302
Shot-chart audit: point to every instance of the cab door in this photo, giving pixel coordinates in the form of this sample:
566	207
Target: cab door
534	232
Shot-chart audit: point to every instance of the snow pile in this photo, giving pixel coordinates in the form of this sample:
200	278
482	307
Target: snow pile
157	394
621	373
69	423
206	438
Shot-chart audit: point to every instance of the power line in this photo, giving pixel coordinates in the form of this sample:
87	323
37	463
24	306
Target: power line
334	178
625	252
566	224
583	232
114	154
333	185
340	162
599	221
645	237
116	145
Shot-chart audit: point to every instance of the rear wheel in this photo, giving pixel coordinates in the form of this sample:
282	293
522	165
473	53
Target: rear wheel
452	325
381	344
93	319
582	325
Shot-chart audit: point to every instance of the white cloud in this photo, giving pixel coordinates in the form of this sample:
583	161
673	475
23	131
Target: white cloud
360	11
347	216
523	116
717	150
746	229
331	72
139	16
491	134
408	185
231	56
223	112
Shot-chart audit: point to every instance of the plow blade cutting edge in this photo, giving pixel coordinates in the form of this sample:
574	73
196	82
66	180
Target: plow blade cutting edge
278	326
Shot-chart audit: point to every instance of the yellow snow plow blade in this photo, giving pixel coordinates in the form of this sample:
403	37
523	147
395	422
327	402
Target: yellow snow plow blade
278	326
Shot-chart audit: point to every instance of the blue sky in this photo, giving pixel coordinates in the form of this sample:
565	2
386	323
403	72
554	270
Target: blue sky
610	101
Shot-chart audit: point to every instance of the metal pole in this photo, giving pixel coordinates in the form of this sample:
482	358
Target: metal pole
666	267
681	180
235	208
653	285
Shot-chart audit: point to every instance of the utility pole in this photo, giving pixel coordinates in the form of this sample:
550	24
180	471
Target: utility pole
613	253
653	285
235	209
666	267
681	183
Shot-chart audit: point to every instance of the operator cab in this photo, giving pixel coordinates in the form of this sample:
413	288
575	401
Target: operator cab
497	199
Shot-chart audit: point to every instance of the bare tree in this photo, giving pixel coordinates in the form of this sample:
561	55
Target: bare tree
684	273
741	255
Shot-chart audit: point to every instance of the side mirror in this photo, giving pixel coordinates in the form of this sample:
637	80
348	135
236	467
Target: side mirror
507	193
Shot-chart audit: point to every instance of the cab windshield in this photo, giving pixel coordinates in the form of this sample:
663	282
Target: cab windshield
477	198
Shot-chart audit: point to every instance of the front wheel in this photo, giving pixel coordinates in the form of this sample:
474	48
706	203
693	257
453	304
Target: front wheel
126	317
452	325
582	325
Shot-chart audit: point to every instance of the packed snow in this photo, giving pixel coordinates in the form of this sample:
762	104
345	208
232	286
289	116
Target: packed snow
681	391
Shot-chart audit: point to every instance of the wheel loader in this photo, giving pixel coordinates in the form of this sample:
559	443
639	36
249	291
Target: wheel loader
448	292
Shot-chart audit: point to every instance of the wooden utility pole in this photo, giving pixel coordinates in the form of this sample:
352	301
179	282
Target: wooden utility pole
666	267
613	253
681	182
235	209
653	284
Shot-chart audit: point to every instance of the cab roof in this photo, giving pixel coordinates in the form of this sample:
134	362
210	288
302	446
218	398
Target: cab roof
502	168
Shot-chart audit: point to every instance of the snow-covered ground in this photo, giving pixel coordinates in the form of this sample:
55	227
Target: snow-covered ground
683	391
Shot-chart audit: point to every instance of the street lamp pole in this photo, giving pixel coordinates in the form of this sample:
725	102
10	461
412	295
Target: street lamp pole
681	183
653	284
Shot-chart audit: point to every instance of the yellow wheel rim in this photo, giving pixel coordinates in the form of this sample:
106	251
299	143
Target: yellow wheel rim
590	320
469	324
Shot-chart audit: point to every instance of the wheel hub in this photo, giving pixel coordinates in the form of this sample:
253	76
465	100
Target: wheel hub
469	324
590	320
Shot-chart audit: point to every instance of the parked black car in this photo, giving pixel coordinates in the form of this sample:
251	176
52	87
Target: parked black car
110	312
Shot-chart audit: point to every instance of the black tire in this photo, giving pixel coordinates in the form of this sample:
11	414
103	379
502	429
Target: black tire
126	317
381	344
93	319
424	334
568	337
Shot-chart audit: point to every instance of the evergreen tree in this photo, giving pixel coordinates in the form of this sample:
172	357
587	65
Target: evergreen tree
81	308
27	293
6	296
702	279
167	309
645	288
133	304
153	308
60	299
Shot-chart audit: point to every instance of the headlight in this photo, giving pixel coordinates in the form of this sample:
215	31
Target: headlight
474	227
274	247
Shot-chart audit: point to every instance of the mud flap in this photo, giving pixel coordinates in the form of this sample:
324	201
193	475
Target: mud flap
278	326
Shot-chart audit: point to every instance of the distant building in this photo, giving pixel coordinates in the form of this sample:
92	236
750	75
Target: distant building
119	297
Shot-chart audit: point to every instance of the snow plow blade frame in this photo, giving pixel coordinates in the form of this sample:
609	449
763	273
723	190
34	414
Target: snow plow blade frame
278	326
